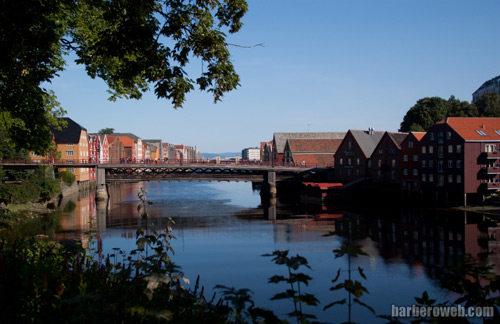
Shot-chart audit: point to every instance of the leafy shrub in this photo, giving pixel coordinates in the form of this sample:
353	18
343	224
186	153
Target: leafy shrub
67	177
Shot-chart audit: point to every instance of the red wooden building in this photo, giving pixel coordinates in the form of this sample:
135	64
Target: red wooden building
459	156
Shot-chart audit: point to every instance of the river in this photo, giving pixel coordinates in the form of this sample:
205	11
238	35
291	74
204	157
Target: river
222	232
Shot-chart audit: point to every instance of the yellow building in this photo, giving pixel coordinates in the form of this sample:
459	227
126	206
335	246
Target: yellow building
73	147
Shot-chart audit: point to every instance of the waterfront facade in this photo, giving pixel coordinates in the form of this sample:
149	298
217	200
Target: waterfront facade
308	152
459	155
386	158
410	162
352	160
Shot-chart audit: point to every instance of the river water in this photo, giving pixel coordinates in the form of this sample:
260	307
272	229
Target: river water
222	232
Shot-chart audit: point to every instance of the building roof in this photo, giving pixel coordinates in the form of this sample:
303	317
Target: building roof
129	135
398	138
310	159
367	140
489	83
475	128
280	138
126	141
69	134
418	135
314	145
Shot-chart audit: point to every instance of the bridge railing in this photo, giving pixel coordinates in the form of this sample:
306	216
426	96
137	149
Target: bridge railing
69	162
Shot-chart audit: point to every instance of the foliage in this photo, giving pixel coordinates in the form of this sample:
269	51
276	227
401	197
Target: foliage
488	105
427	111
294	279
351	248
32	186
107	131
67	177
131	45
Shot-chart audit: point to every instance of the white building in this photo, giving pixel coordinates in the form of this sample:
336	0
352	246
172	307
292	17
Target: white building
251	154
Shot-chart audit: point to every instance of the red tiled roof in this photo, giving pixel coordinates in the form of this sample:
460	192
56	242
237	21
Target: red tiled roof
314	145
418	135
313	159
475	128
126	141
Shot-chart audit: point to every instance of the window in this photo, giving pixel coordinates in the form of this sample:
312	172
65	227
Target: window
431	178
450	148
393	151
480	132
369	163
393	175
440	151
415	157
393	164
431	136
423	150
424	177
380	151
431	149
341	161
415	172
70	153
70	144
405	158
459	148
423	163
431	163
440	166
450	164
349	161
357	161
379	163
405	172
497	131
458	164
459	178
410	144
489	148
448	135
440	180
440	138
450	178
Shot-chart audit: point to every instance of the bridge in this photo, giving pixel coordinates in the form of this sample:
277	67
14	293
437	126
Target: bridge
194	170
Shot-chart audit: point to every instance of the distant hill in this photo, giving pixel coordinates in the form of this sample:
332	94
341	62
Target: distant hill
222	155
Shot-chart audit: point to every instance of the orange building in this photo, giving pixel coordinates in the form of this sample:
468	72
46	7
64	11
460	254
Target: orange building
73	147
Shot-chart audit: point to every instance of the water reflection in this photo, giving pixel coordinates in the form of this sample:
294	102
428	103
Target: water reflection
224	228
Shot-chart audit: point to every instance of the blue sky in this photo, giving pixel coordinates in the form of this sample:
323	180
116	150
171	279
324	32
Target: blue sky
326	65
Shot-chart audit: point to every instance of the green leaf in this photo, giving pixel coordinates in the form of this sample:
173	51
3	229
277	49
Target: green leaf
338	302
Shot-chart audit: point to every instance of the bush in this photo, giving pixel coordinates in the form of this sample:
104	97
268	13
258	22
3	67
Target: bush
67	177
36	186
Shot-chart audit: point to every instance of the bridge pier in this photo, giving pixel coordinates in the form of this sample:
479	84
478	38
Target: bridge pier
101	192
270	184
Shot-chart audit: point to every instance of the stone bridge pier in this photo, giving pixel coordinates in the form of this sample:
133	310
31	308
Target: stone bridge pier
101	190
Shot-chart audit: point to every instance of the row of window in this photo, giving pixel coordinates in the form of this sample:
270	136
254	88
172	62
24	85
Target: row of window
440	178
430	164
430	149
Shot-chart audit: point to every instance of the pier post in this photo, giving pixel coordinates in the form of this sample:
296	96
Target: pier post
270	183
101	192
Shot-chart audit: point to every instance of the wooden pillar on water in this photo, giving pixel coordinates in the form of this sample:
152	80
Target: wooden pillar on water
101	192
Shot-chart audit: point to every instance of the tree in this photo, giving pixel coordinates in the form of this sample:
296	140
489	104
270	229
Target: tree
428	111
425	113
489	105
107	131
131	45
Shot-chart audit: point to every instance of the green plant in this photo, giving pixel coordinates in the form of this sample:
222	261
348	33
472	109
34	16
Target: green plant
295	280
67	177
351	248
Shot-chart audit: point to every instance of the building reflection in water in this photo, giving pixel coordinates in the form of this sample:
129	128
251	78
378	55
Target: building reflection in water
427	240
